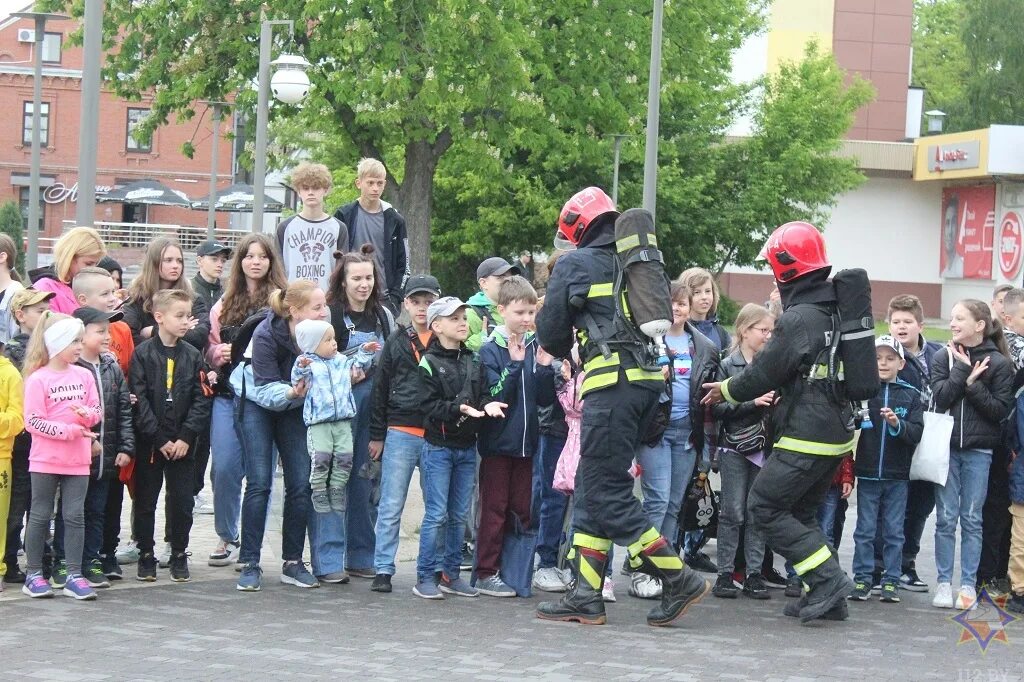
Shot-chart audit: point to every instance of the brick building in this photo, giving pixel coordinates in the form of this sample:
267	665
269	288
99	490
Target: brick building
120	157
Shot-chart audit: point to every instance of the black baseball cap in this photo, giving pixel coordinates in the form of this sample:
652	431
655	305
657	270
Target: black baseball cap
422	284
212	247
496	266
94	316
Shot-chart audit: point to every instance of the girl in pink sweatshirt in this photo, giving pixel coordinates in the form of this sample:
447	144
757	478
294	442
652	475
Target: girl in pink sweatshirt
61	407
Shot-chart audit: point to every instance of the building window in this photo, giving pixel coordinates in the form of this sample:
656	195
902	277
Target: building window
51	47
135	117
23	204
44	124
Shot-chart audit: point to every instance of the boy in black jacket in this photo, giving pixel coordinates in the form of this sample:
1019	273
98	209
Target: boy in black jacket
171	411
397	415
455	397
884	451
117	441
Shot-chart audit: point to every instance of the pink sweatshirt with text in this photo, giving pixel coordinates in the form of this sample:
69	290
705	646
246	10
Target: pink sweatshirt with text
57	446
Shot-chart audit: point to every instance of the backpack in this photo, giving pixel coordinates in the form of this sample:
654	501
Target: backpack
1009	426
851	358
241	356
484	313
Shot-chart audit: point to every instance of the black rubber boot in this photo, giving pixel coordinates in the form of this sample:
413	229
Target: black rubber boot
829	586
582	602
681	587
838	612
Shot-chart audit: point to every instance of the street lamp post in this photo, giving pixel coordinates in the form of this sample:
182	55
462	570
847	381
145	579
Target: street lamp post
92	48
211	218
32	255
291	91
653	111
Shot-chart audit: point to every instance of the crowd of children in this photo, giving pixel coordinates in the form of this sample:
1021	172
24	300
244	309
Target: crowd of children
295	364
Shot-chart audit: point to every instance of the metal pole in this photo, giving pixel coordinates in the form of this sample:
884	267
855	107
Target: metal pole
262	116
615	173
32	257
653	111
211	221
90	113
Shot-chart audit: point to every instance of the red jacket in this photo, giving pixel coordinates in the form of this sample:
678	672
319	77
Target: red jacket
845	473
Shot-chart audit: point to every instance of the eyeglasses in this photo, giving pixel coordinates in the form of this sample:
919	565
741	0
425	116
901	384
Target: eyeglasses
765	331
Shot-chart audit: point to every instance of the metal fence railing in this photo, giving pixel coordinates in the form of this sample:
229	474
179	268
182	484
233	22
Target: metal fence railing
139	235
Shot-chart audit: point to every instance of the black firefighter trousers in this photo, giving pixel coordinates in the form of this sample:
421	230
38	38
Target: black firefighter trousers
784	501
614	420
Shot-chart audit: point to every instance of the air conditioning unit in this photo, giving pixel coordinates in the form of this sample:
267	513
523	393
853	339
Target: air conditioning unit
26	35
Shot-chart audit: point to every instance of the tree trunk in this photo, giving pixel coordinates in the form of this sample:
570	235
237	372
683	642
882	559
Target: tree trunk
415	201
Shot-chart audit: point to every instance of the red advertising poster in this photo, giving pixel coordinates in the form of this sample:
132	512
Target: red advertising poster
968	226
1011	244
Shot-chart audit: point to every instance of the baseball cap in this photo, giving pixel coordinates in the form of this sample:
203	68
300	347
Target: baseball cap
887	341
443	307
93	316
211	247
419	284
30	296
496	266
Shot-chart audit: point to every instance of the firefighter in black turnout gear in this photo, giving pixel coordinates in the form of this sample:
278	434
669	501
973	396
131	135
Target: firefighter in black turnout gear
814	427
620	391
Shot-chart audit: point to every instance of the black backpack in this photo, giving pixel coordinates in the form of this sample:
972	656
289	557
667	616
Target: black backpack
240	343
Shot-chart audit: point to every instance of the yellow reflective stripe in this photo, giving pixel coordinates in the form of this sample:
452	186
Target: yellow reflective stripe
633	241
588	573
650	536
597	290
591	542
725	392
596	381
813	561
809	447
672	563
638	374
601	362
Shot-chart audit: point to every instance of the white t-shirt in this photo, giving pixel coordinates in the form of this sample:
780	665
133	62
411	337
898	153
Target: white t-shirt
308	246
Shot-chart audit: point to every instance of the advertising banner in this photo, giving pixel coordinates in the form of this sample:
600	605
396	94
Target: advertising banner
968	229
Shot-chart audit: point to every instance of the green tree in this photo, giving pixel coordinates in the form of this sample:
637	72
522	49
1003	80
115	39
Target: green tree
940	63
11	224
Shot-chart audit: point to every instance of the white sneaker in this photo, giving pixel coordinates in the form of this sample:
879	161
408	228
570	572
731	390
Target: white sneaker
201	506
548	580
967	599
127	554
225	554
943	596
608	591
164	558
565	575
644	586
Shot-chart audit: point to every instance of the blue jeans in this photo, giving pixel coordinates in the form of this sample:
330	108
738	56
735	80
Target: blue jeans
961	499
667	470
447	476
94	509
827	513
261	430
226	469
548	505
879	503
357	541
401	457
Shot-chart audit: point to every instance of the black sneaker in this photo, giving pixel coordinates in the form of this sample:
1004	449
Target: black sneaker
876	583
14	575
93	573
1015	604
701	562
755	588
111	569
146	568
910	581
179	567
381	583
794	587
724	587
467	557
774	579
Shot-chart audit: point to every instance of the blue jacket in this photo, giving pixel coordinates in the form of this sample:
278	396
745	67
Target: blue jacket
329	398
883	451
1017	468
273	354
522	385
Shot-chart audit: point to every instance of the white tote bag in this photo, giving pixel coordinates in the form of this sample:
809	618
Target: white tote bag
931	458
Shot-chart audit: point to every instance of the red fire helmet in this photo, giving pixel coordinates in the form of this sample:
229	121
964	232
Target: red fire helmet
794	249
578	213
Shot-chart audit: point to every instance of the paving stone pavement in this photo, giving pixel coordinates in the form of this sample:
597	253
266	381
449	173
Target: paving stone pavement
206	630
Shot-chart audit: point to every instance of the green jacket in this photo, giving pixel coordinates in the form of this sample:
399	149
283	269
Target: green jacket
478	303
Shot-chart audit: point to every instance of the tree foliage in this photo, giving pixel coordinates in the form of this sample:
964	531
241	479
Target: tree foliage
12	224
489	115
